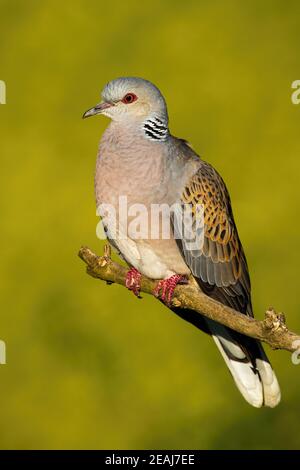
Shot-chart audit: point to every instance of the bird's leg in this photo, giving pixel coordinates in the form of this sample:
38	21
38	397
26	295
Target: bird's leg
167	287
133	281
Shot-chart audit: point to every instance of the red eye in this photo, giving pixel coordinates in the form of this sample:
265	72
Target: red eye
129	98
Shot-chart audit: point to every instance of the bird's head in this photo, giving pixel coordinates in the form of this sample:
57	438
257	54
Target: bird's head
130	99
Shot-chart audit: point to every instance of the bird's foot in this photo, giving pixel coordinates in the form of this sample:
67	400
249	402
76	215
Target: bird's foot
165	288
133	281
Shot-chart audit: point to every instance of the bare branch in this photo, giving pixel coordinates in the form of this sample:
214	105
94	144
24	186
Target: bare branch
272	330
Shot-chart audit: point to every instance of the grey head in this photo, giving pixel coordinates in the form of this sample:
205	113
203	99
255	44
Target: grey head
136	102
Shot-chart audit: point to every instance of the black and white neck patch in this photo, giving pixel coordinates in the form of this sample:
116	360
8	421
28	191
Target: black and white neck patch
155	129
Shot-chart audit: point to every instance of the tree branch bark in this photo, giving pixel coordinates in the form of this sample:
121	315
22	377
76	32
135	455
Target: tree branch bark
272	330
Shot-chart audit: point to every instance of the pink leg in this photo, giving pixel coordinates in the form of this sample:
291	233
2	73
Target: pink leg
167	287
133	281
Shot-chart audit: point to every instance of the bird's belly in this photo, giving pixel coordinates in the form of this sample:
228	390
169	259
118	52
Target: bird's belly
156	259
161	259
140	232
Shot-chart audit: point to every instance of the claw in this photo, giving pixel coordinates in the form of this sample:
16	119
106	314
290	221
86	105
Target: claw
133	281
165	288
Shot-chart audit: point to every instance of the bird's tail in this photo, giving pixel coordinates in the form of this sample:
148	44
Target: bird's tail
245	358
249	366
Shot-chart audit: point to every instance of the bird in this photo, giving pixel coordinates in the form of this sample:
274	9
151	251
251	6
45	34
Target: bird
140	161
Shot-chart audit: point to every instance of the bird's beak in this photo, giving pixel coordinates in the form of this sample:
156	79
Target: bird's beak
97	109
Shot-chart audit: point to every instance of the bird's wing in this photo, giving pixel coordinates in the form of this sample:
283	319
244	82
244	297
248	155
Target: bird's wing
219	263
219	266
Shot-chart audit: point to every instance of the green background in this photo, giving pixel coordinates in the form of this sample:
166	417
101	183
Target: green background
90	366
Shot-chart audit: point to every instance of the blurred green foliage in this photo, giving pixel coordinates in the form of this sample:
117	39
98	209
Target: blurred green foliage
89	366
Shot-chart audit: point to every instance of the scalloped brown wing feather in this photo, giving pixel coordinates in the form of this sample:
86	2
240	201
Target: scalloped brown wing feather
221	269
